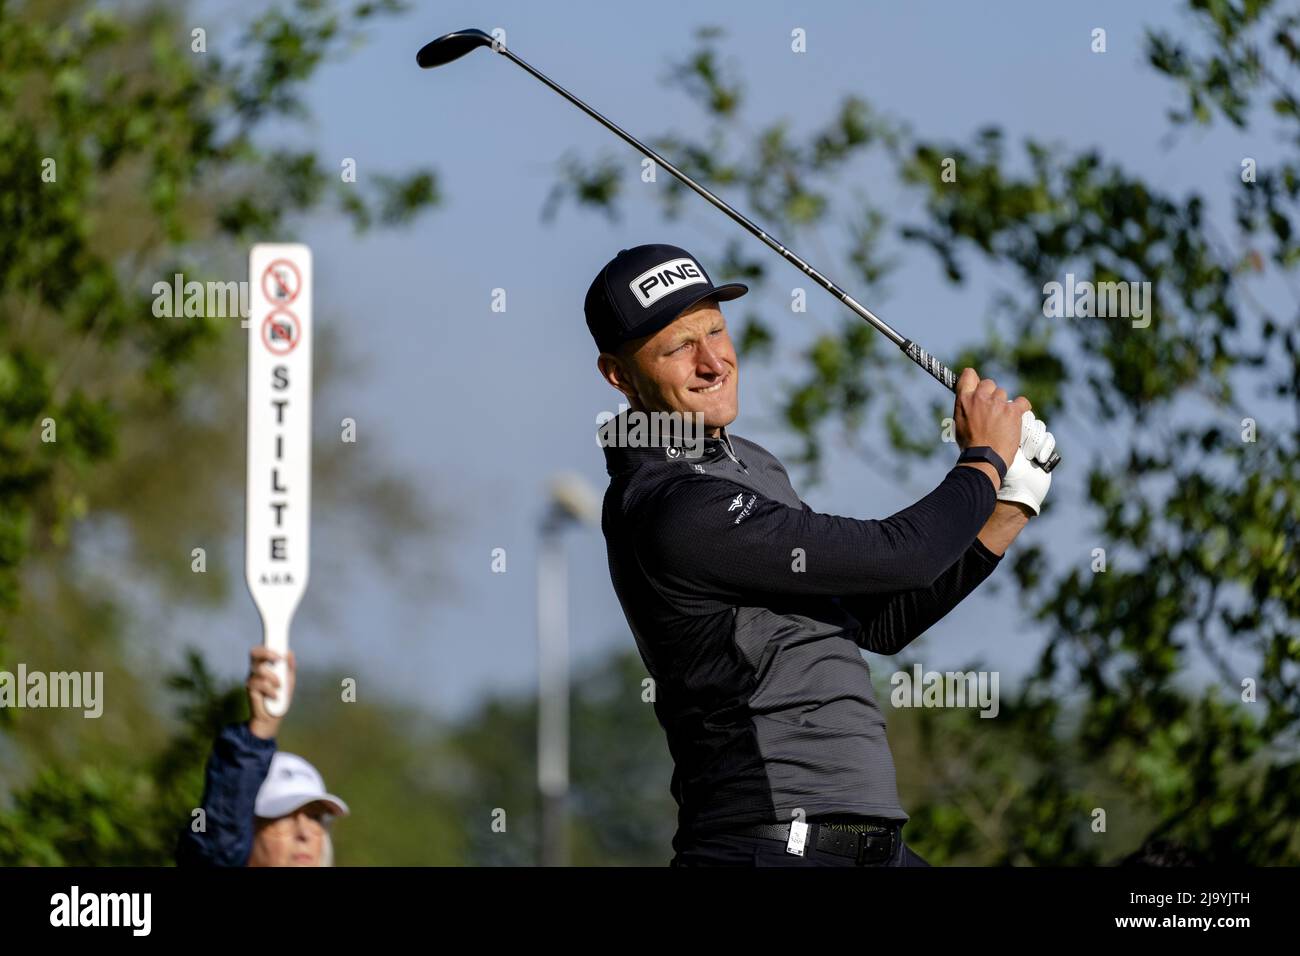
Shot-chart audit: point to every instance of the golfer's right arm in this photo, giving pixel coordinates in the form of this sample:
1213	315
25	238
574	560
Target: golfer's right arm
709	536
706	535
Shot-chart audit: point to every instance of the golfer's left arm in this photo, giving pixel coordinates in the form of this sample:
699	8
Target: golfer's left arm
892	621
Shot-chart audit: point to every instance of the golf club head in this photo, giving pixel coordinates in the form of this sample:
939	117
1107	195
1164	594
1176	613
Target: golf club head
450	47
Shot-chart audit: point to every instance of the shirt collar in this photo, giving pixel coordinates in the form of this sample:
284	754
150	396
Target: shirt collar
626	447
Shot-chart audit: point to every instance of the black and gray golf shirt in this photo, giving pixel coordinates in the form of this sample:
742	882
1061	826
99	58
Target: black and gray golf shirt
749	609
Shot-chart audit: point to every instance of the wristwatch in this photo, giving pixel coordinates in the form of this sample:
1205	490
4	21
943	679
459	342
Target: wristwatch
986	454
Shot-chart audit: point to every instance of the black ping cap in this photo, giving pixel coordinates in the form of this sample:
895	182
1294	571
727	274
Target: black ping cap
643	289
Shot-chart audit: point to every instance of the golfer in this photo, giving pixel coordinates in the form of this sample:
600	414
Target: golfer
261	807
748	607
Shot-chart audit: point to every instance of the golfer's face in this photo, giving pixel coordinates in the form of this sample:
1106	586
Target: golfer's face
690	366
293	840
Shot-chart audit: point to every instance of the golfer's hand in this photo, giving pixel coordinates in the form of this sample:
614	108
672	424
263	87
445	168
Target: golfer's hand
1036	441
1026	483
262	683
983	415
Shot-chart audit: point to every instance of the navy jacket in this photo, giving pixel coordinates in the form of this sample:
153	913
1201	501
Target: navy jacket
751	610
237	766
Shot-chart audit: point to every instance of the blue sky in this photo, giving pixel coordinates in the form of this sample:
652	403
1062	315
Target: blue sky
479	409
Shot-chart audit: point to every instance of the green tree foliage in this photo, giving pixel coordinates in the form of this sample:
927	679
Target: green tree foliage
128	155
1200	526
384	760
127	812
164	165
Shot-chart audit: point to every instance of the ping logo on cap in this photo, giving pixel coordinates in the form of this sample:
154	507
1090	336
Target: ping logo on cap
653	284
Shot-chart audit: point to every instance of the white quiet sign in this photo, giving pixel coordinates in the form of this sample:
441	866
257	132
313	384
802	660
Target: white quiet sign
277	531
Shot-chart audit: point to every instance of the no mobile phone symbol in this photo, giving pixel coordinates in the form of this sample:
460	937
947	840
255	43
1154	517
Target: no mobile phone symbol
281	332
281	282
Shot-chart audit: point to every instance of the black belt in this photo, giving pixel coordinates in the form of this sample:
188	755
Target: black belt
864	843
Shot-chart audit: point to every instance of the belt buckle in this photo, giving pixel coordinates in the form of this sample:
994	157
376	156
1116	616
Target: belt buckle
861	857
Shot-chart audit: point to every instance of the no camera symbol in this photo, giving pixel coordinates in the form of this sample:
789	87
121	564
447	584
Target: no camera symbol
281	332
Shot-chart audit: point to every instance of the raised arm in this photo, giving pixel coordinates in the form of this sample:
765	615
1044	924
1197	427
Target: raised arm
707	535
710	535
891	622
237	766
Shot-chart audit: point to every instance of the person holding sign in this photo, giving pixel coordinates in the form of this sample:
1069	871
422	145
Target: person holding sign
260	807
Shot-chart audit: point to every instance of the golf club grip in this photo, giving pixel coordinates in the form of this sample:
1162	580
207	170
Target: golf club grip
921	357
948	378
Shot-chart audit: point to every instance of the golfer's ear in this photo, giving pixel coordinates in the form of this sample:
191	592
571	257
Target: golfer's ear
614	371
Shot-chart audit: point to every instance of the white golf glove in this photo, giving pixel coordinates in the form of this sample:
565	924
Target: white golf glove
1025	482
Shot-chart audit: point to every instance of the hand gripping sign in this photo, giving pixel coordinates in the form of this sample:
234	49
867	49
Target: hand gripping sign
278	522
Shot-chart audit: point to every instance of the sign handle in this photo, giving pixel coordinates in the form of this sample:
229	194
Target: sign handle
276	638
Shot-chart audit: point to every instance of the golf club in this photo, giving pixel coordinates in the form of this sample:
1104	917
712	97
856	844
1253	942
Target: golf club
452	46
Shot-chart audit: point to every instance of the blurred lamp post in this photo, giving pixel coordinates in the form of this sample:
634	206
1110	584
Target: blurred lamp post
570	501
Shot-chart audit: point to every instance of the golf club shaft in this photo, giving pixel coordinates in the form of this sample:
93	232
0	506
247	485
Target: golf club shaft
742	220
942	373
